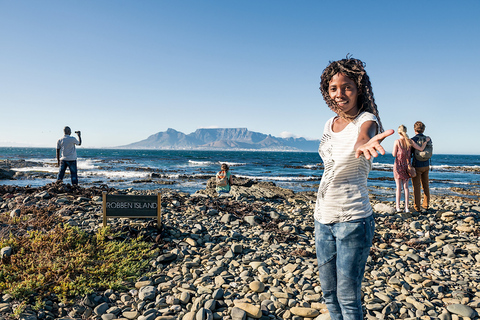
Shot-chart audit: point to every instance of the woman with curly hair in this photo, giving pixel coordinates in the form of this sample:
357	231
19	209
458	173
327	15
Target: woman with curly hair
402	153
344	222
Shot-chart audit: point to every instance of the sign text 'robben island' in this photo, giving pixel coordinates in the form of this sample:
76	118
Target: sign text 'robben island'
131	205
127	206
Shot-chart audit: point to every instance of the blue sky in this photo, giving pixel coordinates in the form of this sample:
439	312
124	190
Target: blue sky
120	71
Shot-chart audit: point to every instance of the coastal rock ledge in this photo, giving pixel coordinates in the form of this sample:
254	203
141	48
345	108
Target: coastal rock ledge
217	262
6	174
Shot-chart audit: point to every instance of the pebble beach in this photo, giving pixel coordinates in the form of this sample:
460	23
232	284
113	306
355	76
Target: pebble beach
251	255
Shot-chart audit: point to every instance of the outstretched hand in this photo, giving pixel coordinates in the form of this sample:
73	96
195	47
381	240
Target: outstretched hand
373	147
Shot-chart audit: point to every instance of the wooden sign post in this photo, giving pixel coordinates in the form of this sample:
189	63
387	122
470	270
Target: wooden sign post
126	206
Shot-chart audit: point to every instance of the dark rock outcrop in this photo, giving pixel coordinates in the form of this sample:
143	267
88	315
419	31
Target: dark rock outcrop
6	174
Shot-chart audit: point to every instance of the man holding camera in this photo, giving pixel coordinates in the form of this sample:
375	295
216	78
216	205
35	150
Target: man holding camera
67	155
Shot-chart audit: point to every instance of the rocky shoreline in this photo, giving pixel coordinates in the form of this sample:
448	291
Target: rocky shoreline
251	255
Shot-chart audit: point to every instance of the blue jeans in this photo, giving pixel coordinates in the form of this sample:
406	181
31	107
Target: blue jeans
72	166
342	252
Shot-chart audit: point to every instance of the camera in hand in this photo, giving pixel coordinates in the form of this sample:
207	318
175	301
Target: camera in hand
77	132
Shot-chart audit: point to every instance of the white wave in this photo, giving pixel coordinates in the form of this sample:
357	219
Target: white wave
43	160
51	166
85	164
233	164
33	169
447	167
212	163
437	190
311	166
200	163
178	176
441	167
93	160
471	167
460	183
116	174
377	165
184	175
278	178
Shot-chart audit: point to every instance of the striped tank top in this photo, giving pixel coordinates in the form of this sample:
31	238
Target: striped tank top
343	194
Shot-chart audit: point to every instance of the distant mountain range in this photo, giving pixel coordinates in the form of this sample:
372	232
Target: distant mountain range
222	139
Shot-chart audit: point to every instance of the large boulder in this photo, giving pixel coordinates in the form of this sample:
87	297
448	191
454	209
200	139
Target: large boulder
245	188
6	174
242	182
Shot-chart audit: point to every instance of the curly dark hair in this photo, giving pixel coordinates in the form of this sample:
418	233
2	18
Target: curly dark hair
355	70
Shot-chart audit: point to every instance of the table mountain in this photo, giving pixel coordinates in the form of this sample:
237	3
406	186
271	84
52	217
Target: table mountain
222	139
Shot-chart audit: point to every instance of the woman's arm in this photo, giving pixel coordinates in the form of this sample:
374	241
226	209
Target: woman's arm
395	146
418	147
368	143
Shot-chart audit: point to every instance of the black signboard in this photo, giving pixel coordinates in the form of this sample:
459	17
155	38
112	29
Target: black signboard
127	206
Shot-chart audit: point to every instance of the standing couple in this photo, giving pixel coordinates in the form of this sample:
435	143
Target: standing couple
411	151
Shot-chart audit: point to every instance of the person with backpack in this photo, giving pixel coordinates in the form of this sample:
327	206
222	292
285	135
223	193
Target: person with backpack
401	152
421	163
223	179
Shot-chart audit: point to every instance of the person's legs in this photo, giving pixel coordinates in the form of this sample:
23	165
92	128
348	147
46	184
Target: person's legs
425	187
72	165
416	190
354	240
398	194
325	246
61	172
407	194
342	252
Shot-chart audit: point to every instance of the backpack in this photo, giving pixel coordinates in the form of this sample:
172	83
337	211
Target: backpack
427	152
222	179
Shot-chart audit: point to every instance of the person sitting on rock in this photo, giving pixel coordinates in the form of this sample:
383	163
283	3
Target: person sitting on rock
223	179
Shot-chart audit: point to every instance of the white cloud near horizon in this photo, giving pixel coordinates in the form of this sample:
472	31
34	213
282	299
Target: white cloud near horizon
286	134
209	127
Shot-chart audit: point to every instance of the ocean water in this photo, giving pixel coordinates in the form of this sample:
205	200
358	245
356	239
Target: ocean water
189	171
